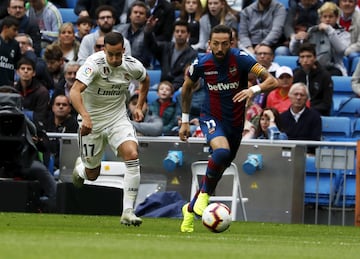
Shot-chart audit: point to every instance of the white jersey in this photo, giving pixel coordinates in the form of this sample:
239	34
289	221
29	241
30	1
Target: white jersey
107	87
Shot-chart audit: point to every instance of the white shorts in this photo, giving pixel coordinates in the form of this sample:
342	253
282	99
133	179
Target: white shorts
92	146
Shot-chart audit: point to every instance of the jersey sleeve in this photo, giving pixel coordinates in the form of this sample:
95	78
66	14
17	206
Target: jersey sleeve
194	71
138	70
246	60
87	72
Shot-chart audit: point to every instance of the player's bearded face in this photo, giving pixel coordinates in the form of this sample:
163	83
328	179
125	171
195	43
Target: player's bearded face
220	44
114	54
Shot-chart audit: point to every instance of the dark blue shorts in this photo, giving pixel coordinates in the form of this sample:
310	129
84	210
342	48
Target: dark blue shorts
212	128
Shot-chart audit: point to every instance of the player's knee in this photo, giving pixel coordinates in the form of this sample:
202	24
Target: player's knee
93	174
222	156
131	155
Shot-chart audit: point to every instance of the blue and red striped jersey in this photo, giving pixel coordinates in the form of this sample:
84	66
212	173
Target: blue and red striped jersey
222	80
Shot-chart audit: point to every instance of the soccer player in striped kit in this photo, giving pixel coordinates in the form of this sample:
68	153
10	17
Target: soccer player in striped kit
225	72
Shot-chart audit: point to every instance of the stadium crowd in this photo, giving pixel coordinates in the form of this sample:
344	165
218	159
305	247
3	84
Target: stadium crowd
41	51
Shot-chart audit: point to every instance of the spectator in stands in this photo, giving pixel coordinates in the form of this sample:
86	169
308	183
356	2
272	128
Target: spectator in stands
16	8
355	81
173	56
198	96
316	78
84	24
89	8
60	120
163	12
36	96
330	40
191	11
134	32
105	20
48	18
67	42
264	56
350	20
54	59
262	22
9	50
63	88
300	17
300	122
278	98
151	125
164	106
27	50
99	44
216	12
269	126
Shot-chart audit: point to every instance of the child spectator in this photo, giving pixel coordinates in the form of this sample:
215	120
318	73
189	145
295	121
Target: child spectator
165	107
84	25
268	126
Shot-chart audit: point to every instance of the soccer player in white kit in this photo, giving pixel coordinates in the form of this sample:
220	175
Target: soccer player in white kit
99	96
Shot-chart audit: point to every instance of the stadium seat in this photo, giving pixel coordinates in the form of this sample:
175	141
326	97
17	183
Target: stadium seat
68	15
285	3
155	76
290	61
335	127
152	96
320	184
356	129
71	3
349	108
342	91
198	168
347	189
354	63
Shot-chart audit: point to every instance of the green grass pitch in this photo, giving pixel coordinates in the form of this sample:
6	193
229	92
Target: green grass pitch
77	236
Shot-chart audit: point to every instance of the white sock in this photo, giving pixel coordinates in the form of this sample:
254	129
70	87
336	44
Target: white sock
131	183
80	168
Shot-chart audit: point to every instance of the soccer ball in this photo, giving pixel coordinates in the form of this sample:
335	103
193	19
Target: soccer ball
216	217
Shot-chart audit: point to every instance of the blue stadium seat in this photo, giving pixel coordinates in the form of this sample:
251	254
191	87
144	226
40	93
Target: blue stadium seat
152	96
335	127
320	184
285	3
347	189
290	61
354	63
349	108
71	3
155	76
342	91
68	15
355	133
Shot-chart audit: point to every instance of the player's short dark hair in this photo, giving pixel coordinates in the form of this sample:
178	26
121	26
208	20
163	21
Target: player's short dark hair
26	61
114	38
307	46
221	28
